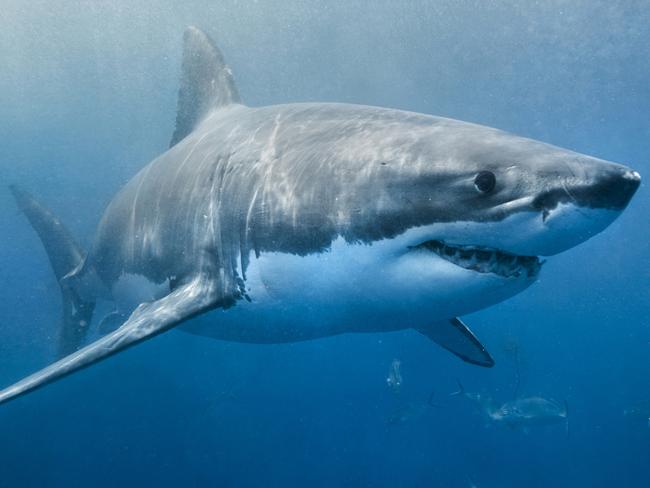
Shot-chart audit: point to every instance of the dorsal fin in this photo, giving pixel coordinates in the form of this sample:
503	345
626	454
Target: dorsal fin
206	82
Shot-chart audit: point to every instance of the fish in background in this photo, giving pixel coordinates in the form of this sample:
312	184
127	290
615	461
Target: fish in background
484	402
412	411
532	411
522	412
639	412
394	378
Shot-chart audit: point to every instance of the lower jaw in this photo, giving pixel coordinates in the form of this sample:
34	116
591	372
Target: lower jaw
484	260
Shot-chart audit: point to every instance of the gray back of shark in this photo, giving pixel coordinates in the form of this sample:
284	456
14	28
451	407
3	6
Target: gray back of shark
299	221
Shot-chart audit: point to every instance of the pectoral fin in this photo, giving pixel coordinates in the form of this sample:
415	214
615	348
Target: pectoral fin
456	337
148	320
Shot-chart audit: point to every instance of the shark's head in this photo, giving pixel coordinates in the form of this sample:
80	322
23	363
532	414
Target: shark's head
472	209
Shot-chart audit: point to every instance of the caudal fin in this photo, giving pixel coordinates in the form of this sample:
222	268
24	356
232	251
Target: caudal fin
65	256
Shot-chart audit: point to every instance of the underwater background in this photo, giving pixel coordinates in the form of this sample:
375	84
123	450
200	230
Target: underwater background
88	96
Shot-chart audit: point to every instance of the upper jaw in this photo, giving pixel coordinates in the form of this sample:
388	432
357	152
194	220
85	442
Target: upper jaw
484	259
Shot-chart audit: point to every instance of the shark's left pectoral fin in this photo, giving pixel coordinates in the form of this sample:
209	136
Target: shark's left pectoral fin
148	320
456	337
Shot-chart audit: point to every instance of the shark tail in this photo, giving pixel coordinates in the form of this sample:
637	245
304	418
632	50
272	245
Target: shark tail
66	256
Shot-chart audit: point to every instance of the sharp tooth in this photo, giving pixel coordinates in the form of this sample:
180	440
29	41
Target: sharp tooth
483	255
465	254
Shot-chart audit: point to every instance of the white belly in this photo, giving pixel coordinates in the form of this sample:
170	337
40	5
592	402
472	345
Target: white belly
350	288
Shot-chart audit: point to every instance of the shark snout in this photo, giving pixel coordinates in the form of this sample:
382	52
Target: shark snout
581	204
611	188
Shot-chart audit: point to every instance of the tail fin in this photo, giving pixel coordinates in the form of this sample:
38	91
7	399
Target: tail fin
65	256
461	389
566	413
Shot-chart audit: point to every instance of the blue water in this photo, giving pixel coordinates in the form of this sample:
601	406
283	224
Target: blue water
88	96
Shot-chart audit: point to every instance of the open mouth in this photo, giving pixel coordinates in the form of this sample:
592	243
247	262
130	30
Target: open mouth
484	260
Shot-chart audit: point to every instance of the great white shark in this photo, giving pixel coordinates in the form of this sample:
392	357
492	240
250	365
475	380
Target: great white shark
293	222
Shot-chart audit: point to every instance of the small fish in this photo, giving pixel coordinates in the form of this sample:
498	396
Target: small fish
522	412
411	411
485	402
640	411
394	379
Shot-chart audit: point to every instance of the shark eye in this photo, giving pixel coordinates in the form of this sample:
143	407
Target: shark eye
485	181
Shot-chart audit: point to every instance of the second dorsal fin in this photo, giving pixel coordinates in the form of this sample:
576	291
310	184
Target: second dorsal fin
206	82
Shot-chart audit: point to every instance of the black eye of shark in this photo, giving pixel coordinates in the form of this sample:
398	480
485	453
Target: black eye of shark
485	181
484	259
